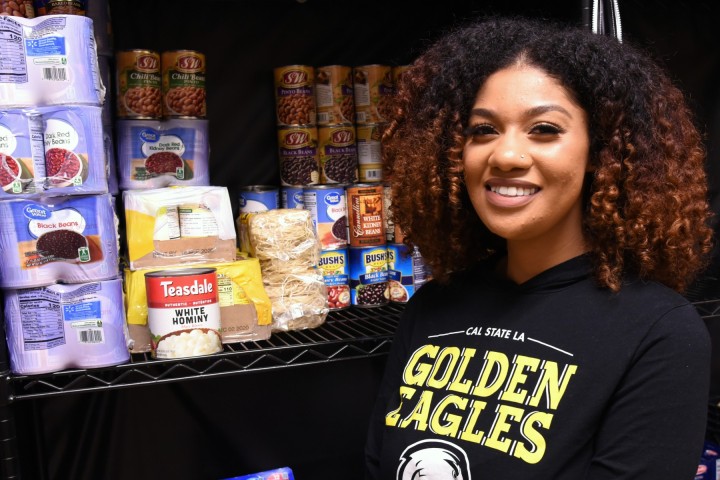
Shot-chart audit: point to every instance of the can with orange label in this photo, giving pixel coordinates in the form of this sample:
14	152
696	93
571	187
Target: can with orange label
334	97
183	84
295	95
138	84
372	88
298	152
366	221
369	149
337	153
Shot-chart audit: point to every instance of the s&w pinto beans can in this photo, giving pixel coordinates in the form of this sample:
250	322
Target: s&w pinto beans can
334	267
183	84
368	276
183	312
295	95
365	214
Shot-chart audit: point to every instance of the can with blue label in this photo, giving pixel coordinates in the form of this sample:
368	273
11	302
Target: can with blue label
406	272
368	276
334	267
259	198
291	197
328	210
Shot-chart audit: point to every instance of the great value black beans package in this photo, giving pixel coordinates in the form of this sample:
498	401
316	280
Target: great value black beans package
162	153
69	239
50	60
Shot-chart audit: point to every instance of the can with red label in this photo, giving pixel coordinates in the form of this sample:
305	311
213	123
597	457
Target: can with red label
334	95
366	220
183	312
337	153
298	152
372	88
328	209
138	84
295	95
183	84
368	276
334	266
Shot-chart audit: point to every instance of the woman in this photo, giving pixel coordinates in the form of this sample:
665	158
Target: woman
553	179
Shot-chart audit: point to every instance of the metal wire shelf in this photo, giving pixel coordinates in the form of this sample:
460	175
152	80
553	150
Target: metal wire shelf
346	334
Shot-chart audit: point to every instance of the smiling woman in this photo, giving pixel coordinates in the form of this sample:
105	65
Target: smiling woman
566	175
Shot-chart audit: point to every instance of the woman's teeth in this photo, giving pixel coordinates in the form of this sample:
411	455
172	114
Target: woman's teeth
514	191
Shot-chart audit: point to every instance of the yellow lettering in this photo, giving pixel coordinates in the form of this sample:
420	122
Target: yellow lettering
451	354
536	450
496	364
501	426
444	423
416	373
393	416
552	384
458	385
420	413
518	377
468	433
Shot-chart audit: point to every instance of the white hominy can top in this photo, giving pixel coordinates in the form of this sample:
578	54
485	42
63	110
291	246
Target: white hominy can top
183	312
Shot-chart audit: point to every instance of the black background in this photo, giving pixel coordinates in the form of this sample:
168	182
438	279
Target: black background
311	418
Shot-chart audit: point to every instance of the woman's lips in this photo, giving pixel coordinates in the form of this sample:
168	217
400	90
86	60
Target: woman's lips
510	194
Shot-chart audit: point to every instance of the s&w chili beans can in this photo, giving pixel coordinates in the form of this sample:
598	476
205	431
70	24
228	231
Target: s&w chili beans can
298	152
138	84
406	272
183	84
183	312
368	276
334	267
366	221
295	95
328	209
334	95
337	153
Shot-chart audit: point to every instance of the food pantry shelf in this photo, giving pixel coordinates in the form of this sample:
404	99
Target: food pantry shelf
346	334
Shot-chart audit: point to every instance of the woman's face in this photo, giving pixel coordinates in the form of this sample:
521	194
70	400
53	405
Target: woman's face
525	158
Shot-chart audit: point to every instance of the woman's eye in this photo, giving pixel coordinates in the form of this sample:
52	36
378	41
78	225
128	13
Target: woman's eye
478	130
545	129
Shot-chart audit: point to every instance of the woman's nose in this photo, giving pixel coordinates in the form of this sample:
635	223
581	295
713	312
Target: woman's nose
510	153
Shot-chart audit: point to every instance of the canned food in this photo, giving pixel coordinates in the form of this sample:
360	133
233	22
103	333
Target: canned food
60	7
298	152
139	84
259	198
295	95
369	151
183	312
292	197
17	8
389	223
365	214
334	97
337	153
328	209
406	272
334	267
183	84
368	276
372	88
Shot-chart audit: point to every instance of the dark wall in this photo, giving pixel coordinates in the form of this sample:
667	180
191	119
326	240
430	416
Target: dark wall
312	419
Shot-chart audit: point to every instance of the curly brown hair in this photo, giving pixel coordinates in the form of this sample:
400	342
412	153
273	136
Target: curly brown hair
645	205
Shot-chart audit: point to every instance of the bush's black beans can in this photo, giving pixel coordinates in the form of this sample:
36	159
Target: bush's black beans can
258	198
298	152
328	209
291	197
334	266
337	153
406	272
368	276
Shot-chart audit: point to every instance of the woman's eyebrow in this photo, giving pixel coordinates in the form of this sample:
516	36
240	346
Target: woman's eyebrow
531	112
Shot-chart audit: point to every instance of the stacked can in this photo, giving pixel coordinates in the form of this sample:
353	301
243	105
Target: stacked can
368	247
296	122
328	209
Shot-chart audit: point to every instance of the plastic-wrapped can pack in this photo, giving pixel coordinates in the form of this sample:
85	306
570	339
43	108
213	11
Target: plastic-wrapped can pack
56	327
75	155
49	60
162	153
22	154
46	240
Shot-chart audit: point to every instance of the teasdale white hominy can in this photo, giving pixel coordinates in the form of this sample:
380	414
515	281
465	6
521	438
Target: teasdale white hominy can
183	312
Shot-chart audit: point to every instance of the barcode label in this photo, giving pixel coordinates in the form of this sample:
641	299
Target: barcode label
373	174
90	336
55	74
323	117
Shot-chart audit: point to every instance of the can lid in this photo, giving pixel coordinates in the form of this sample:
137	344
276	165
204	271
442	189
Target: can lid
180	272
258	188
